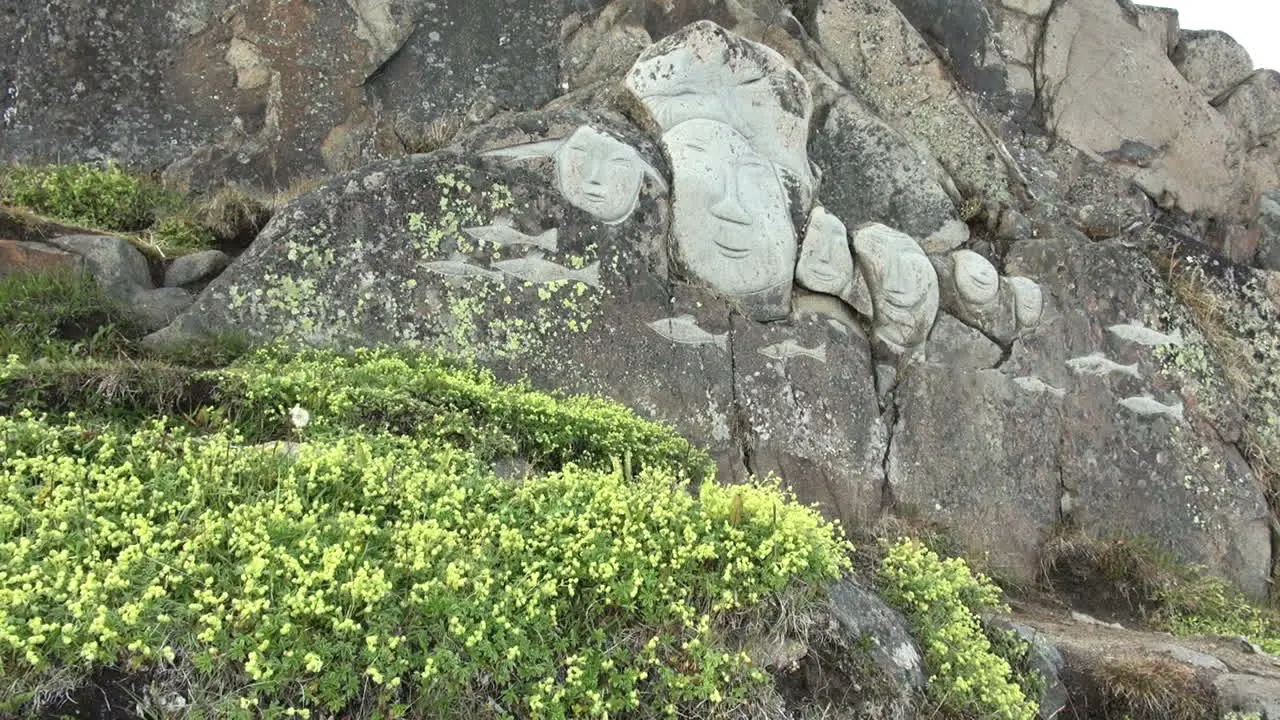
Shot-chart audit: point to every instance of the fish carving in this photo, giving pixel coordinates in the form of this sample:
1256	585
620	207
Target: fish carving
1134	333
508	236
1147	405
537	270
1099	364
789	348
683	329
1036	385
461	269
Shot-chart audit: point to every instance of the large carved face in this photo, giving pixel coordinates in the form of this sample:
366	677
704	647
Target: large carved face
826	263
599	174
730	213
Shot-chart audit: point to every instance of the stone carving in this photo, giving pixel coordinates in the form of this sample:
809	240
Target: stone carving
684	330
1028	301
533	268
976	280
1134	333
708	73
903	284
826	263
1034	384
595	172
789	348
506	235
1100	365
730	216
734	120
1146	405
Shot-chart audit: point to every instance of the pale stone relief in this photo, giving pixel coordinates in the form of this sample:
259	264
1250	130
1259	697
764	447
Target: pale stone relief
504	234
1148	406
705	72
1142	335
730	216
684	330
826	263
533	268
1028	301
594	171
977	281
903	284
789	348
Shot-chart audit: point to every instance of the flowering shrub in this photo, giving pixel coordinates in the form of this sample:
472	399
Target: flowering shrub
416	394
382	574
941	599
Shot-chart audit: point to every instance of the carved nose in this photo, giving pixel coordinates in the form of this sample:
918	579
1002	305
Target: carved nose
728	207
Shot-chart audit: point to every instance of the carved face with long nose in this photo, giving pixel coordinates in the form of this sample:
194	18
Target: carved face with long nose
730	214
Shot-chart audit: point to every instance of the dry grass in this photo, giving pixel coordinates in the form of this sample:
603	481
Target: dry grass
437	134
1152	689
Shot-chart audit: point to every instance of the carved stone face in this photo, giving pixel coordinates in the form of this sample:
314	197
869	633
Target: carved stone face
977	280
826	263
730	216
1028	301
903	284
704	72
599	174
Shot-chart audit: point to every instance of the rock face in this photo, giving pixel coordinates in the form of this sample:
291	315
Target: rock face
261	91
844	241
1212	61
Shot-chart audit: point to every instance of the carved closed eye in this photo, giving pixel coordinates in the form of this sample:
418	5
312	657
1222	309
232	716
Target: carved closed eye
620	161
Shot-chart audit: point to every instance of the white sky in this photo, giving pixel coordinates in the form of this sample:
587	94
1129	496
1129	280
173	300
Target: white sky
1253	23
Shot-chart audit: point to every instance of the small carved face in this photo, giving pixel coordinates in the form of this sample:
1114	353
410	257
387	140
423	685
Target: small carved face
730	215
1028	301
826	263
907	301
977	280
599	174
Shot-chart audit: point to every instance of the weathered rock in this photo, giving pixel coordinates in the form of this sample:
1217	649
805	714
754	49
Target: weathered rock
861	613
1046	660
1268	226
964	33
1253	107
959	346
871	173
974	450
886	63
25	256
154	309
196	267
1110	93
1248	694
1212	61
1135	432
261	91
120	267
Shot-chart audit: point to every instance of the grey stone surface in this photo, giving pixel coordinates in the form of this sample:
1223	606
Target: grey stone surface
1269	227
872	173
120	267
155	308
196	267
1212	61
954	344
888	65
1198	660
1108	86
1242	693
1046	660
861	613
259	91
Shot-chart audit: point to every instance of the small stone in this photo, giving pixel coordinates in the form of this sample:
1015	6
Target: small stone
196	267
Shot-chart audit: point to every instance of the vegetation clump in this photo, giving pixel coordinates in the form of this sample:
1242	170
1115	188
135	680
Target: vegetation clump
332	533
105	197
943	600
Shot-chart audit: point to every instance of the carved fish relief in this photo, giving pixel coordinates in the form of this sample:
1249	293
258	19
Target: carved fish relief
1147	405
1099	364
1132	332
683	329
508	236
789	348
